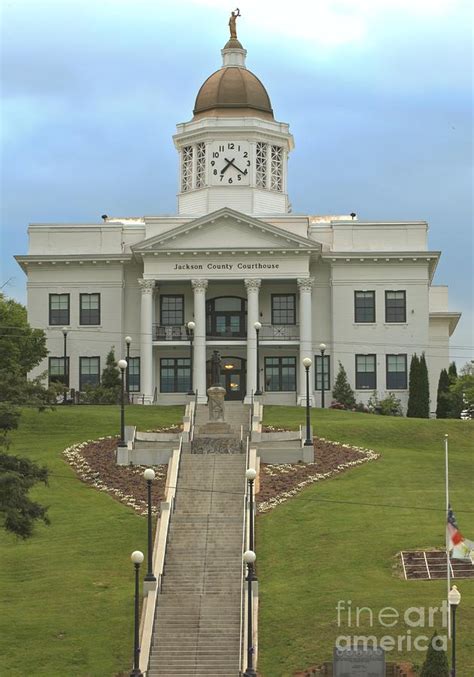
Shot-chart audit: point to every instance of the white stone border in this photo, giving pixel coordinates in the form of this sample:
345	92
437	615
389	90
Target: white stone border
286	468
83	470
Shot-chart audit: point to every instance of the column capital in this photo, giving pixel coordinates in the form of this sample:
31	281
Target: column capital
199	284
305	283
252	283
145	285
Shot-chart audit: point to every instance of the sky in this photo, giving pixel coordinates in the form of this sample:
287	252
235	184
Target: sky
378	94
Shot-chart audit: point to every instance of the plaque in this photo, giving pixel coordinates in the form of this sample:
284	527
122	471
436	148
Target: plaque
359	661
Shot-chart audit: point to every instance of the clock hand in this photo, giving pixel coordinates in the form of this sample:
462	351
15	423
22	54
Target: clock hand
231	162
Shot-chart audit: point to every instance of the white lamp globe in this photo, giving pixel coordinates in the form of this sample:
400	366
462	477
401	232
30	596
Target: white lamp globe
122	364
251	474
249	557
64	330
149	474
137	557
191	326
128	340
307	362
322	347
257	326
454	596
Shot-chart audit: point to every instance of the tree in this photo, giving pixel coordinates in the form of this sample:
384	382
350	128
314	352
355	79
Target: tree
111	373
442	401
342	391
452	372
462	392
22	348
413	387
436	661
424	401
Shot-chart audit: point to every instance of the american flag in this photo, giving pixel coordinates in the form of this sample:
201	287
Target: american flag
461	548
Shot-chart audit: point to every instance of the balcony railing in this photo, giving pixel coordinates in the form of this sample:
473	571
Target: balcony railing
268	332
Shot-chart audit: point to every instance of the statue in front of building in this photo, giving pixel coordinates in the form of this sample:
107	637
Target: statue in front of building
233	23
216	367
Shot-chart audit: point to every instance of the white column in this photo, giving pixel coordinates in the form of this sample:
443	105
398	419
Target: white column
305	286
253	288
199	355
146	346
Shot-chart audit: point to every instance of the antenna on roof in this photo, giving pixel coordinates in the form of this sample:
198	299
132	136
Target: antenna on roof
353	215
104	217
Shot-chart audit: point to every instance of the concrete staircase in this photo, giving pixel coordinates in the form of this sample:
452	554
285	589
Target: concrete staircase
198	614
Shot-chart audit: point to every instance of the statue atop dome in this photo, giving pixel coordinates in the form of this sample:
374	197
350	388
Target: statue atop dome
233	23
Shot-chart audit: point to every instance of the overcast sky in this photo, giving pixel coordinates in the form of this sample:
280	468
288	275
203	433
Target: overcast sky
377	94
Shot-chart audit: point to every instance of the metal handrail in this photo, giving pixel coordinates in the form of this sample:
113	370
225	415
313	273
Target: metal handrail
242	571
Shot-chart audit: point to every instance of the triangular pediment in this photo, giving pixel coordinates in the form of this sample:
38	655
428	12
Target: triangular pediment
226	229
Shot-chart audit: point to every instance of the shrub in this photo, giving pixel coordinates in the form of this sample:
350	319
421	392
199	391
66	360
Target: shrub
436	661
419	391
442	403
342	391
388	406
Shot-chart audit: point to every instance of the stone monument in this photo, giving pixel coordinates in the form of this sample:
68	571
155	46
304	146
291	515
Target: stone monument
359	661
216	395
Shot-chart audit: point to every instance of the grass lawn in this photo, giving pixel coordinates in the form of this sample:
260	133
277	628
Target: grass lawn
337	539
66	594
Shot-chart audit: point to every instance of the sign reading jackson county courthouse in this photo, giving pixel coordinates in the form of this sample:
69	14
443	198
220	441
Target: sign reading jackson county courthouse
233	255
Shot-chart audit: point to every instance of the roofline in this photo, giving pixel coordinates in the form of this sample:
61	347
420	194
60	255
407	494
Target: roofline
452	316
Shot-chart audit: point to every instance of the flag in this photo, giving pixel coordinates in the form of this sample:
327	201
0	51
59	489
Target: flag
460	547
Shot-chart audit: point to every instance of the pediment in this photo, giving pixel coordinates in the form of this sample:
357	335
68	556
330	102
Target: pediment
225	230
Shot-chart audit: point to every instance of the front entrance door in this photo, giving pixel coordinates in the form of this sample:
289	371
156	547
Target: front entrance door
232	377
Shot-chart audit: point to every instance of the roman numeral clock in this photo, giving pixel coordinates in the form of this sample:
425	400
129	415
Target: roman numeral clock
230	163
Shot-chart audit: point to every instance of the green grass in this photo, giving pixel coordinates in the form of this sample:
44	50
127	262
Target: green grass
66	594
337	540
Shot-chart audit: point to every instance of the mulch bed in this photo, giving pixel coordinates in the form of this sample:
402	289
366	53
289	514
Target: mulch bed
94	464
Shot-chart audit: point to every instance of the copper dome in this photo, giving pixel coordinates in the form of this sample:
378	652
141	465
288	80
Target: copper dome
233	90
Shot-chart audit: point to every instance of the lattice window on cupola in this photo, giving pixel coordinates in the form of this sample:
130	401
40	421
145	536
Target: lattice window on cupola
261	165
201	165
187	168
276	168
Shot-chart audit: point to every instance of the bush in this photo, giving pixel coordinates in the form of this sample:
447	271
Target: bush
388	406
100	395
342	391
436	662
443	405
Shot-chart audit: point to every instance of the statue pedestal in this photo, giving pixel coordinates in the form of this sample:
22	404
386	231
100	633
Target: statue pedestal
216	423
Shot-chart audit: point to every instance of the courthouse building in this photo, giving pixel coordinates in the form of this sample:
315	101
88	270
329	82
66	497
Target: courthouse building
235	255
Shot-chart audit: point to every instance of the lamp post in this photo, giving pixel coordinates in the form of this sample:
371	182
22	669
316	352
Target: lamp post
454	598
128	340
149	475
258	326
65	369
190	327
322	348
249	559
251	474
137	559
122	364
307	362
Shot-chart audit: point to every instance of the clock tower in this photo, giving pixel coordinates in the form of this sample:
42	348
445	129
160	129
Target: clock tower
233	153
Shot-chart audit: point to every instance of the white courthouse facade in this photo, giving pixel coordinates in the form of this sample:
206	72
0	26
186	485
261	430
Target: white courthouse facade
235	255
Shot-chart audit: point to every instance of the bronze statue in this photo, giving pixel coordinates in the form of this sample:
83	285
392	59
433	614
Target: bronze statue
233	23
216	365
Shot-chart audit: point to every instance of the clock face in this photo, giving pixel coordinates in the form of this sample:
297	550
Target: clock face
230	163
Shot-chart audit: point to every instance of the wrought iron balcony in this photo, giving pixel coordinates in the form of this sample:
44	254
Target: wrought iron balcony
279	332
171	332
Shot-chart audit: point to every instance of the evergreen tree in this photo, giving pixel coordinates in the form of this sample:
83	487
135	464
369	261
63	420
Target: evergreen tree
442	402
452	372
342	391
424	389
413	387
436	661
111	373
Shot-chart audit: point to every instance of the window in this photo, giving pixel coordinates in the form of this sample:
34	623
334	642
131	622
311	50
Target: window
56	370
396	372
175	374
134	374
395	306
364	306
58	309
201	165
318	372
283	309
187	168
261	165
280	373
276	168
365	372
89	311
172	310
89	372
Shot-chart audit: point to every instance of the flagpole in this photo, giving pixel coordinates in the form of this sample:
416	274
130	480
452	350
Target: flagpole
448	575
